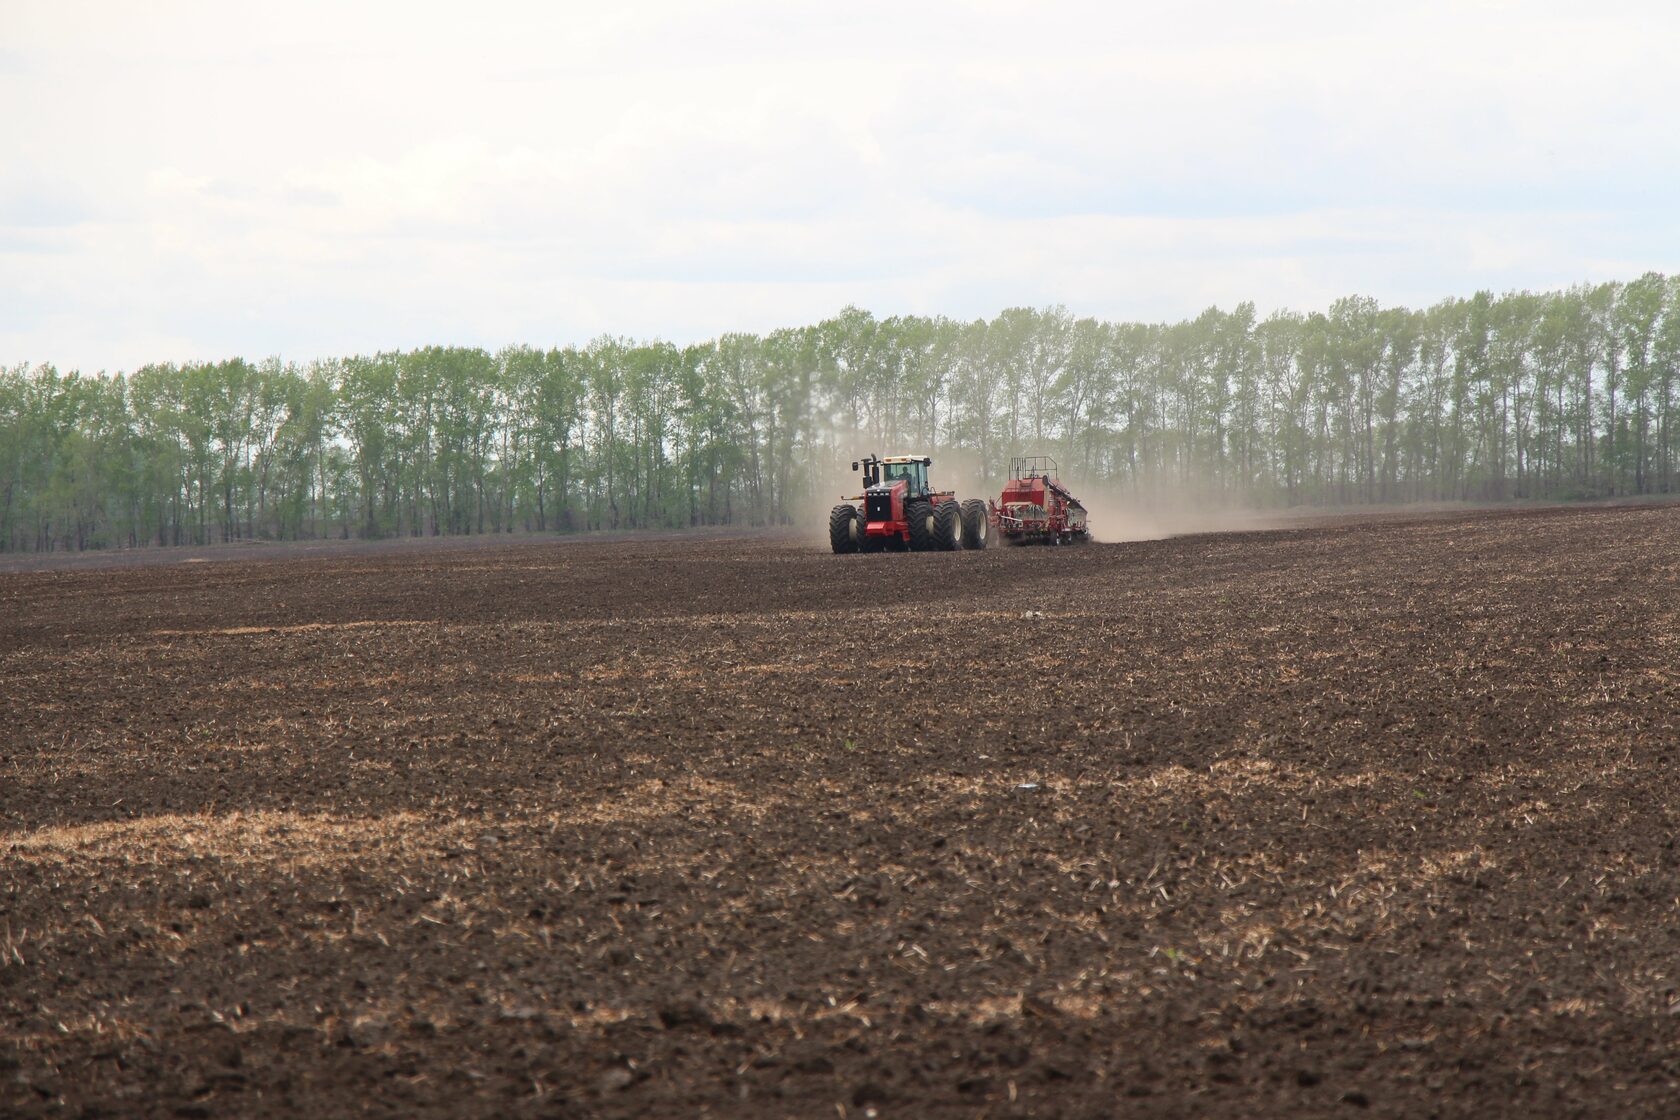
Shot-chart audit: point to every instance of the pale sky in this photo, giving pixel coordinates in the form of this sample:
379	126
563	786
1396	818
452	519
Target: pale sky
183	181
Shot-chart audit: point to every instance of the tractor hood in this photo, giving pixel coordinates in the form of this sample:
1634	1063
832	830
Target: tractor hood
879	500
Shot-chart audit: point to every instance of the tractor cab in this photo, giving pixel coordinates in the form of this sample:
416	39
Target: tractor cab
911	471
881	473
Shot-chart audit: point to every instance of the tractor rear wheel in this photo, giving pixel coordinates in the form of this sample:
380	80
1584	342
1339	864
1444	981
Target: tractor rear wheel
977	526
948	526
922	529
844	529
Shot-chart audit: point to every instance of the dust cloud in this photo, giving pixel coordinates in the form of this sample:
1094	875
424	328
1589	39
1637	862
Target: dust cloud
1118	516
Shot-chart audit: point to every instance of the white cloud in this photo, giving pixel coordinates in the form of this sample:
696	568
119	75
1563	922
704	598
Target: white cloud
198	179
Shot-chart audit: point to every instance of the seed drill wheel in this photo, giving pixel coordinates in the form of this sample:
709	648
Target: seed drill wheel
948	526
923	531
844	528
977	527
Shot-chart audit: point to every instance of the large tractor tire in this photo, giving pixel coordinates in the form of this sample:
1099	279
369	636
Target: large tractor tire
844	528
977	524
948	526
923	531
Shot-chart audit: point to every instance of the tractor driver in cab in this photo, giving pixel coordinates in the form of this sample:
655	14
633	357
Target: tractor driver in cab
914	473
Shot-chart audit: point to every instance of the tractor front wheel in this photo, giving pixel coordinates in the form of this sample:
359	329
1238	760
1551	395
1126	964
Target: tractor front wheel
923	531
844	529
977	525
948	526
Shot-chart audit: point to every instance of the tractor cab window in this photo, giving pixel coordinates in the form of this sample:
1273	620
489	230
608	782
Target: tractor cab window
913	473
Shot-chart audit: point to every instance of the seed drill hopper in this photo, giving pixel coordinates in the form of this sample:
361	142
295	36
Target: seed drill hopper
1036	508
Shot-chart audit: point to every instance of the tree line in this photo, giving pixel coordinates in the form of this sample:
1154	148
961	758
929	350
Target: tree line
1555	395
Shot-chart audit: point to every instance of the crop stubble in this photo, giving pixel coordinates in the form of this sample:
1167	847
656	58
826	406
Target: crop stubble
1373	816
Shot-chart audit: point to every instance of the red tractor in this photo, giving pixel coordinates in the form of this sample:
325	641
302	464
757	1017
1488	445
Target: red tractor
899	511
1036	507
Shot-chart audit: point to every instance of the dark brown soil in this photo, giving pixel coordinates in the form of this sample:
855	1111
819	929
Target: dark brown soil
1375	817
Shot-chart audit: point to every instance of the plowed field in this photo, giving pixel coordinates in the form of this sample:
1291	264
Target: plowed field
1369	817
